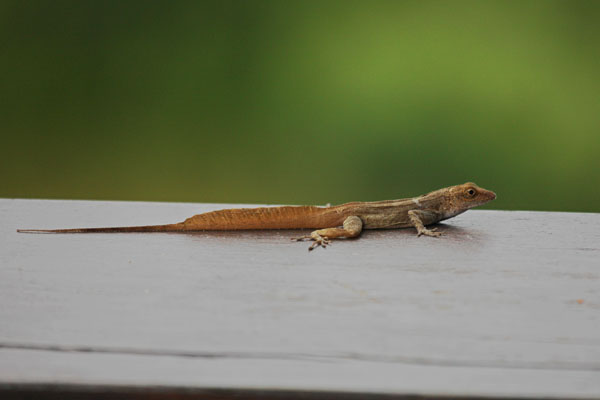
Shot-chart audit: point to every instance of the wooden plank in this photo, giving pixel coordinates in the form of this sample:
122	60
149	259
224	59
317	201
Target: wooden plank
505	304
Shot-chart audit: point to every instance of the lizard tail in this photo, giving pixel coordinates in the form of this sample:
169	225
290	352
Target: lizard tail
149	228
286	217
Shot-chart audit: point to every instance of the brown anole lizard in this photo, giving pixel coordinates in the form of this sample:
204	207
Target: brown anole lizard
332	222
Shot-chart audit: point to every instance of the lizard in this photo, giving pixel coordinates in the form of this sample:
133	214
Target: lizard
331	222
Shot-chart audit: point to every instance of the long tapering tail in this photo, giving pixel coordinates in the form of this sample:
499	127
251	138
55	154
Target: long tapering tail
124	229
284	217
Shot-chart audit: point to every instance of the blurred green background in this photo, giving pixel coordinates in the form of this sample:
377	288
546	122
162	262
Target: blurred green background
301	101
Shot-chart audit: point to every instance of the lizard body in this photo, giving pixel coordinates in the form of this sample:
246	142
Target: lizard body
341	221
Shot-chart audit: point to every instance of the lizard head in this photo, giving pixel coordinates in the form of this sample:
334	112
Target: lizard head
469	195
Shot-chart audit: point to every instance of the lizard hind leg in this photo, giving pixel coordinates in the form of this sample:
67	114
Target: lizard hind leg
322	237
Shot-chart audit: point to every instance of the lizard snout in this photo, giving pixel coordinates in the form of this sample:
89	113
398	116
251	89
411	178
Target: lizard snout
490	195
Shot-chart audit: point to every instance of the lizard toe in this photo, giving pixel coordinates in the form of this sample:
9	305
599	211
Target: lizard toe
300	238
429	232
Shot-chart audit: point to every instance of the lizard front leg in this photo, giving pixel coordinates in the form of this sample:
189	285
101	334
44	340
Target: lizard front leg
420	218
351	228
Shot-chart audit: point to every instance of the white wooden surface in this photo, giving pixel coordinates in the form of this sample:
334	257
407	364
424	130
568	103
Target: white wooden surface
504	304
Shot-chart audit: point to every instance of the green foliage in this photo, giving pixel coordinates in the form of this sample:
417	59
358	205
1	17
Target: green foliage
301	102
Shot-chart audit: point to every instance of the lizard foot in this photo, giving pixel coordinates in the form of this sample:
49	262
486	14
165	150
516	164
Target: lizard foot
429	232
319	241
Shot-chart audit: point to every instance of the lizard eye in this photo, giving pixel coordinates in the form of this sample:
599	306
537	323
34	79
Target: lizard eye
471	192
